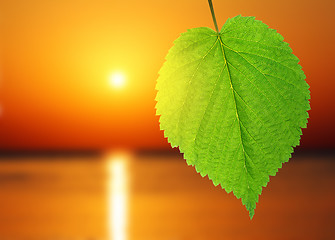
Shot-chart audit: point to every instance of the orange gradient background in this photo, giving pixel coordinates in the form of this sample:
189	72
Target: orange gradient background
56	56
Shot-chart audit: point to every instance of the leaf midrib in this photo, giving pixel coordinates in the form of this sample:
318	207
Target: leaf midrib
237	115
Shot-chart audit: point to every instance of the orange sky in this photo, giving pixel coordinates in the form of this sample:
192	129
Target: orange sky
56	56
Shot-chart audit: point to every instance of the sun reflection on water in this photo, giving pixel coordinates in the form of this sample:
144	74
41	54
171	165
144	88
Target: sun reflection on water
117	196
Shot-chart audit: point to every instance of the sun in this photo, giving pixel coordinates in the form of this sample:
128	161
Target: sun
117	80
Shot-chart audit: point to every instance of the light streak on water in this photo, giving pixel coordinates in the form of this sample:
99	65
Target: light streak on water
117	196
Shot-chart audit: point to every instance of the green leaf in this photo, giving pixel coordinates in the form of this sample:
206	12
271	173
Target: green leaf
234	103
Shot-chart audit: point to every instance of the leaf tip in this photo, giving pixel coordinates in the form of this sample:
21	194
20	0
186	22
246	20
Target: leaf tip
251	214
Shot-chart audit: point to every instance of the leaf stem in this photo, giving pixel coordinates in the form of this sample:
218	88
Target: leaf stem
213	15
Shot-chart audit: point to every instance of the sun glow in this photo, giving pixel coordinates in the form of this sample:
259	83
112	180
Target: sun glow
117	80
118	196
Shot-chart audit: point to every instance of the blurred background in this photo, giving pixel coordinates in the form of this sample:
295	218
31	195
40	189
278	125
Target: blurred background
81	153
